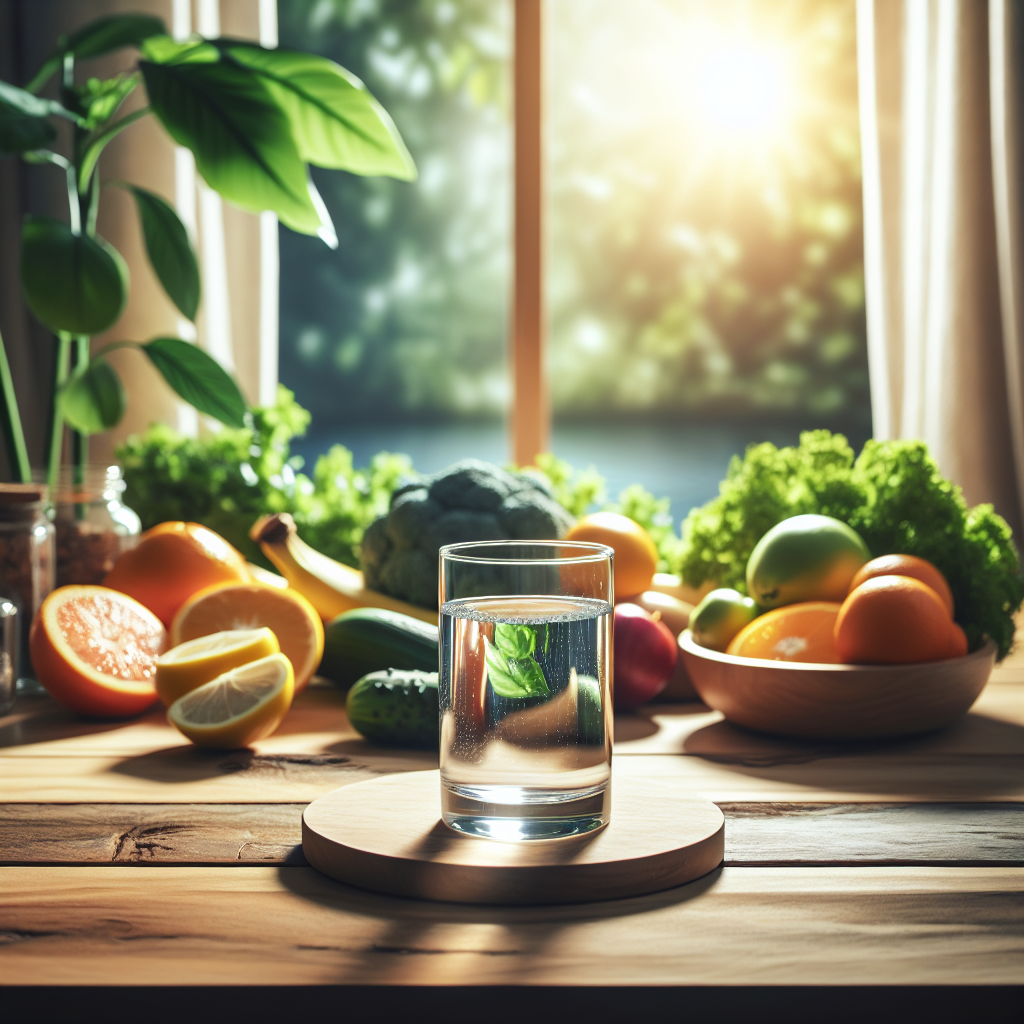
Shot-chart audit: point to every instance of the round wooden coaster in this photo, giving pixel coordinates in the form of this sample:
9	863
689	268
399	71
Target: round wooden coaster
387	835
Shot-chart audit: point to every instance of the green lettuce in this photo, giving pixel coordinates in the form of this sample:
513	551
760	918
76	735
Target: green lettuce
228	480
893	495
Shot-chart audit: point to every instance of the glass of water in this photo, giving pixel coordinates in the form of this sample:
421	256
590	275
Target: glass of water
525	688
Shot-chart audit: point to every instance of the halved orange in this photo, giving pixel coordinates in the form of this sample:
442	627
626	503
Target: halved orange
293	620
796	632
95	650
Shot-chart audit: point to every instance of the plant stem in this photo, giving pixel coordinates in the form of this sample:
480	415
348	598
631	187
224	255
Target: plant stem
94	207
14	436
79	441
56	438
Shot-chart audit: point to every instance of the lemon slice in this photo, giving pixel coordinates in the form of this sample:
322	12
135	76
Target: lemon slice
239	707
195	662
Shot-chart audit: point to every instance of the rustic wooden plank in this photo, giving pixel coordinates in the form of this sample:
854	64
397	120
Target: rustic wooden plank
39	727
317	724
995	725
186	775
151	834
832	834
855	776
759	833
46	755
779	926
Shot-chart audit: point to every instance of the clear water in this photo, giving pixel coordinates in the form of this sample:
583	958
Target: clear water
525	716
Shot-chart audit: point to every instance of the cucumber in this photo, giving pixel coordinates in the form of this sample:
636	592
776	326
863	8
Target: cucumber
371	639
395	708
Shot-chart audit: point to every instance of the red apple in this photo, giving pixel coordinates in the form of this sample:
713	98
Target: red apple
645	656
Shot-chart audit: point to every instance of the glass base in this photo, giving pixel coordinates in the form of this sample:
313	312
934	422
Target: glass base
513	814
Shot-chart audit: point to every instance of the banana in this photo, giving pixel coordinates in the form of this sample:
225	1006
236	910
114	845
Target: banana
332	588
667	583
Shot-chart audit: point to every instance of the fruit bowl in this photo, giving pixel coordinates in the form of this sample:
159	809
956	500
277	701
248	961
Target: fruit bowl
836	701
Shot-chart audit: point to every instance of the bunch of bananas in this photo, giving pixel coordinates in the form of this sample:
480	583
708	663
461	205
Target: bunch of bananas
330	586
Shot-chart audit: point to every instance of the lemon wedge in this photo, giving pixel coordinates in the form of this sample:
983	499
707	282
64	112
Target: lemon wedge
239	707
195	662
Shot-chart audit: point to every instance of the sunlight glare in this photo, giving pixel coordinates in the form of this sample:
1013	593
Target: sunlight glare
742	87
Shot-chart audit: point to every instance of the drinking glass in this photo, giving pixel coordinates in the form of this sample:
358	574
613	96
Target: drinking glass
525	688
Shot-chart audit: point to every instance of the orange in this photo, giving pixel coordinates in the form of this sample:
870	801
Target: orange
293	620
173	561
636	557
95	650
796	632
906	565
957	642
893	620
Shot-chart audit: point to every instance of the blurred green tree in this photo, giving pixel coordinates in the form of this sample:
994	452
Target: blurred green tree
691	272
407	316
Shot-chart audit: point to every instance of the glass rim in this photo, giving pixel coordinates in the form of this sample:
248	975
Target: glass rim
592	552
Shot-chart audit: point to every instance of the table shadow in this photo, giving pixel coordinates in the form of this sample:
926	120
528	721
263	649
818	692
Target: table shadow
633	727
410	926
417	759
812	763
188	763
42	720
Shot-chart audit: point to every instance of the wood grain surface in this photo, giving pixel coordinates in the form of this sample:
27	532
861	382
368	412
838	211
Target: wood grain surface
765	834
192	776
995	725
48	755
780	926
129	795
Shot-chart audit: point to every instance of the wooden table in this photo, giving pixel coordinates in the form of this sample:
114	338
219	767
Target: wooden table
130	858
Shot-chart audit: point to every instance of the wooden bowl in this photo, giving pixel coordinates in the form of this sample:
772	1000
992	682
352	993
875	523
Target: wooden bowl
836	701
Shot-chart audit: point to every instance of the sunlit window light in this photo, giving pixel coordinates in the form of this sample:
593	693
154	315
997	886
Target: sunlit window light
742	87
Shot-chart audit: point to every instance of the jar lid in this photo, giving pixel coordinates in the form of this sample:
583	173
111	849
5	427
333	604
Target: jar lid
21	494
84	484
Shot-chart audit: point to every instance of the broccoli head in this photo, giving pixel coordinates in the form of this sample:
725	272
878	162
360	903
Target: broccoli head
471	500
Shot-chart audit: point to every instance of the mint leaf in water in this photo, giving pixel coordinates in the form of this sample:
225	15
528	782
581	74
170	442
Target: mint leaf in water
515	641
511	677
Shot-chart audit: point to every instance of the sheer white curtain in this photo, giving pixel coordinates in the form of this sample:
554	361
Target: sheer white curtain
941	108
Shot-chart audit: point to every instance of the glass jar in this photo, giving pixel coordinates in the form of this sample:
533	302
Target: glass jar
93	527
26	559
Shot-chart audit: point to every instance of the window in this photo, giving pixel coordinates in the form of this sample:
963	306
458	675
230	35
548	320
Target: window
704	269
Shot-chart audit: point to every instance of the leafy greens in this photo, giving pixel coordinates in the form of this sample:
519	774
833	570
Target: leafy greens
893	495
228	480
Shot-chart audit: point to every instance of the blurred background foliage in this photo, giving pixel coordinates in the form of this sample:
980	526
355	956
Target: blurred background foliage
693	272
706	208
407	317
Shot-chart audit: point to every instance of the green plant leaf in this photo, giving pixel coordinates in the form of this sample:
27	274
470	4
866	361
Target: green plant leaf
93	399
113	32
72	282
23	101
20	132
513	678
240	137
169	250
514	640
97	38
199	379
100	141
100	99
335	121
165	50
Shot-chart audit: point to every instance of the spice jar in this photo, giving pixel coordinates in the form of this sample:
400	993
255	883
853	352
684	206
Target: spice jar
26	558
93	527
